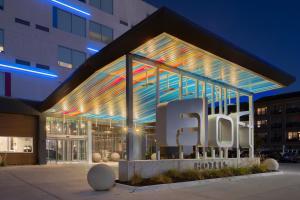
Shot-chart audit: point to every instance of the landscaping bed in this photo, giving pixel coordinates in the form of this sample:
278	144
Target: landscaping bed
175	176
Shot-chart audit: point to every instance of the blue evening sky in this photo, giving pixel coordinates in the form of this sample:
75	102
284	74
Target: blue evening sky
269	29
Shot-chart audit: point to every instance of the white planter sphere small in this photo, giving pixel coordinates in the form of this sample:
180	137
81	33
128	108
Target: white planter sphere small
115	157
96	157
271	164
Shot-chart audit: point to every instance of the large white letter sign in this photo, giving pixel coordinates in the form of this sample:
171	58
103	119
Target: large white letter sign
182	122
242	130
220	131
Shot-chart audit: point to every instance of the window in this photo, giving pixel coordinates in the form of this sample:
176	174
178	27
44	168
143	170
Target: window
70	58
21	21
261	123
294	135
16	144
68	22
22	62
107	34
105	5
100	32
2	84
123	22
42	28
262	111
42	66
1	4
78	25
1	40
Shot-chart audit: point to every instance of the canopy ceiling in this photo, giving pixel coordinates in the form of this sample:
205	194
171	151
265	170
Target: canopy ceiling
102	95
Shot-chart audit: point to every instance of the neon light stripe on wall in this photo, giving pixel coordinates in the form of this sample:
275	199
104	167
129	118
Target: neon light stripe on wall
71	7
24	69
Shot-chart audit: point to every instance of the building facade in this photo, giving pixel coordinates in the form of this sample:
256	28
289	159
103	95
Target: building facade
277	122
108	105
42	42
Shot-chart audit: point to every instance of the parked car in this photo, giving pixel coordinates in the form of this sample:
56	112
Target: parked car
290	157
270	154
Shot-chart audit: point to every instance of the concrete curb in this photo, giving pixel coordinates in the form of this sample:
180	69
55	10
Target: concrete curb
193	183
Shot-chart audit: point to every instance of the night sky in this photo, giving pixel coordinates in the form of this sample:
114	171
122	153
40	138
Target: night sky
269	29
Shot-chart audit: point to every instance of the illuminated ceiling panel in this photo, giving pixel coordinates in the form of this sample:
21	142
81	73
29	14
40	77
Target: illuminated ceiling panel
102	95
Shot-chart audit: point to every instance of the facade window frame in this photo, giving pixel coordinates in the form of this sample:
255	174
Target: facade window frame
2	4
100	35
70	22
68	64
100	4
2	46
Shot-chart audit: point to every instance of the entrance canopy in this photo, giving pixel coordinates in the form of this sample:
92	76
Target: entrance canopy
171	58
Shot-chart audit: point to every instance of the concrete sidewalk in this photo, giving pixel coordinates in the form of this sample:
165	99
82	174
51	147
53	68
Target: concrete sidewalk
69	182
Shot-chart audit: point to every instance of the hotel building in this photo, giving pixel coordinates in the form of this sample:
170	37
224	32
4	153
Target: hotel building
109	103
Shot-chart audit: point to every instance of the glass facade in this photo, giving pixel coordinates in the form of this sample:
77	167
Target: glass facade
66	139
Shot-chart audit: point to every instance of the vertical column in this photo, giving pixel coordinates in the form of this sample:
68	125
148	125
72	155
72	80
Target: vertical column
89	142
197	88
203	117
225	102
238	153
220	101
213	99
157	86
157	102
42	137
197	96
129	108
251	124
180	87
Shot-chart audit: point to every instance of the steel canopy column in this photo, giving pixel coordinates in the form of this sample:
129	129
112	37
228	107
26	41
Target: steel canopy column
89	142
213	99
225	102
130	142
251	124
157	102
220	101
203	117
238	120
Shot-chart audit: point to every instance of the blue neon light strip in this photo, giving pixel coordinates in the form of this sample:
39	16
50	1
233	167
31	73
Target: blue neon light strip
91	49
5	66
71	7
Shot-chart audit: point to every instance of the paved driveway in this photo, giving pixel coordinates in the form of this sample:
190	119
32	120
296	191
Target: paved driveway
69	182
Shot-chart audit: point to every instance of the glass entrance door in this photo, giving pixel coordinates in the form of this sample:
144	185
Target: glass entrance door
66	150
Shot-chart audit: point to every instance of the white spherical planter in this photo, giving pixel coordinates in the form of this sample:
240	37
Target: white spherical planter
271	164
115	157
101	177
153	156
96	157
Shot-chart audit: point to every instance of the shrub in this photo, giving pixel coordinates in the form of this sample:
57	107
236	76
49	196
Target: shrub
258	169
192	175
174	174
160	179
136	180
